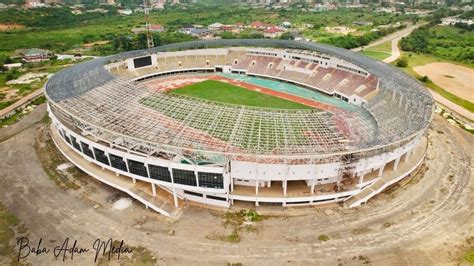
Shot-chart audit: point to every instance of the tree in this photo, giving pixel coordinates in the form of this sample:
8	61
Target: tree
401	62
424	79
287	36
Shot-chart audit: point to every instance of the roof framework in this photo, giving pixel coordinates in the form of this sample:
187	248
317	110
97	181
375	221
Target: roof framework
132	109
90	94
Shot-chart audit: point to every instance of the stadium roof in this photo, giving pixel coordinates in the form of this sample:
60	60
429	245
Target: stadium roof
105	104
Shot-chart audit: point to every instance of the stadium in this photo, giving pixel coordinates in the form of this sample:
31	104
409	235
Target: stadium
240	122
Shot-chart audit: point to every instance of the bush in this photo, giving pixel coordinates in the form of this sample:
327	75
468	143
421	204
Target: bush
424	79
323	237
253	216
12	74
402	62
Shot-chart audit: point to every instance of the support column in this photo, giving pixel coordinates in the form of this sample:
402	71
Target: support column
175	198
153	189
395	166
128	170
361	177
407	155
231	184
381	171
313	184
285	187
256	186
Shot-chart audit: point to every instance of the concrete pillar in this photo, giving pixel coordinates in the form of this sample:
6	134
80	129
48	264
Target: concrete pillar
361	177
134	180
175	198
397	161
285	187
197	179
381	171
231	185
407	156
256	187
313	184
153	189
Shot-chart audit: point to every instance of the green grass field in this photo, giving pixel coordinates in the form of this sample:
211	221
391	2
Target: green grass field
226	93
383	47
379	52
375	54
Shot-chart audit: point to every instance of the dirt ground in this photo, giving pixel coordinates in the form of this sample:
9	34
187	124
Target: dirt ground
456	79
428	220
340	30
5	27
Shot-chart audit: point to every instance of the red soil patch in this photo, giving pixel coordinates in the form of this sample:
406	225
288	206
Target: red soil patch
13	26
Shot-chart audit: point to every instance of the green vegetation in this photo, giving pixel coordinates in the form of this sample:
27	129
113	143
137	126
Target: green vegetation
448	42
469	256
401	62
375	54
19	114
50	158
226	93
138	256
414	60
383	47
237	221
234	237
323	238
8	224
59	30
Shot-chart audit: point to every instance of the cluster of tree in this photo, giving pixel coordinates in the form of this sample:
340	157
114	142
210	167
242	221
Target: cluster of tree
464	26
417	41
467	15
251	34
446	42
352	41
126	42
52	17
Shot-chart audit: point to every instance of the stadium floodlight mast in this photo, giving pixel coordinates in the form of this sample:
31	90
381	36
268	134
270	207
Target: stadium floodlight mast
149	37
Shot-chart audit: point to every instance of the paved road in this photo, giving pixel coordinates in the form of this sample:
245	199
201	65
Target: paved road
452	106
21	102
396	38
391	37
421	224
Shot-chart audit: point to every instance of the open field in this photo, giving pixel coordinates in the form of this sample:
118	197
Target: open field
379	52
375	54
218	91
383	47
456	79
415	60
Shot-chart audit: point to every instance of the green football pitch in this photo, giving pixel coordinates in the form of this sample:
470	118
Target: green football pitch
218	91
